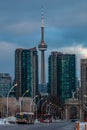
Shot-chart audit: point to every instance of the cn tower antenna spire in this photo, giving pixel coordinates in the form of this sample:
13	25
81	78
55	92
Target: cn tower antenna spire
42	16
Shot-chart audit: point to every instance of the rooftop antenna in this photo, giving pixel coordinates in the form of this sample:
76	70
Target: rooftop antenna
42	14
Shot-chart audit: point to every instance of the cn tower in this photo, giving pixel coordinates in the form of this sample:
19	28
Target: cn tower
42	47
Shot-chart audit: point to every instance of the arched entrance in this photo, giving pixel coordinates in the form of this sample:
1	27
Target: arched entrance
73	112
73	109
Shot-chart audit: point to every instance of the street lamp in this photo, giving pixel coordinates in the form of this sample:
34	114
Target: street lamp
32	102
8	95
22	98
42	106
37	106
48	108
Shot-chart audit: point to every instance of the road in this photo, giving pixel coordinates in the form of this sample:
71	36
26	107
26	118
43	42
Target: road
60	125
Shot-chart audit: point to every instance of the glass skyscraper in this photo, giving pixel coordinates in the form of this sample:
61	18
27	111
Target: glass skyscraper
5	84
62	75
83	67
26	72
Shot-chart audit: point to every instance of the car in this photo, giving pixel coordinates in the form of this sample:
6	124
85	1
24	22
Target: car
74	120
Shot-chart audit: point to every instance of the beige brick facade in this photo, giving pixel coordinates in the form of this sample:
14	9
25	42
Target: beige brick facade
14	105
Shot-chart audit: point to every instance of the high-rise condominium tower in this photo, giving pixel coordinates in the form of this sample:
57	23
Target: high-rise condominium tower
26	72
83	79
62	75
42	47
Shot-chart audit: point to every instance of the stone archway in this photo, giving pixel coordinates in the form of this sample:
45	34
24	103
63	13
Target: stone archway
73	109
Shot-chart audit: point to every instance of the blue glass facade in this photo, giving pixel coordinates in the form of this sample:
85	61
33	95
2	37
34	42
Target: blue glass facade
26	71
62	75
5	84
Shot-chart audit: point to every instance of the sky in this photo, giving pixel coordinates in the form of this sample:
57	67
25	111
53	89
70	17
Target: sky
65	29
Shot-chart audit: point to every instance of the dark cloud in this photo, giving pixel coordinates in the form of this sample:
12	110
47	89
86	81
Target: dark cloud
66	37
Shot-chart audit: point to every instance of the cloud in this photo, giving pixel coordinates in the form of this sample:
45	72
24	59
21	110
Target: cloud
62	37
7	57
21	27
6	50
67	13
75	49
78	49
81	53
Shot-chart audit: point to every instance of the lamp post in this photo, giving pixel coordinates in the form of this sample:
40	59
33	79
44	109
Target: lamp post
42	107
8	95
22	97
48	108
37	106
32	102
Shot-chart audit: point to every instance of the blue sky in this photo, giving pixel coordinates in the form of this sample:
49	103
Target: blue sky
65	28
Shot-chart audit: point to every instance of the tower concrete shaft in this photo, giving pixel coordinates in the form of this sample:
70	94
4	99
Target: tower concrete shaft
42	67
